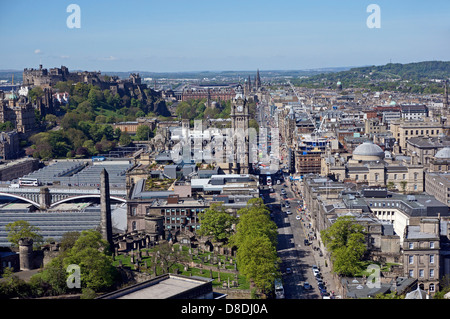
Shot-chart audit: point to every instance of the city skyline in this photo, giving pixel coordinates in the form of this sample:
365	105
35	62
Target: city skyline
213	36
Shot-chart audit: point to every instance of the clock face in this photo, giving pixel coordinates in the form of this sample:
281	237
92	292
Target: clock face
239	108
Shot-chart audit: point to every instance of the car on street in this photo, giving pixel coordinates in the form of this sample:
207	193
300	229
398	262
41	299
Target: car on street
326	295
306	285
288	212
306	242
297	217
316	272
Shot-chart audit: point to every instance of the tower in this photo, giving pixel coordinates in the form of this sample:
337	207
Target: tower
445	110
105	209
257	80
239	133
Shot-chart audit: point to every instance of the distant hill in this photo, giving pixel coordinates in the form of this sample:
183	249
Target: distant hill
410	77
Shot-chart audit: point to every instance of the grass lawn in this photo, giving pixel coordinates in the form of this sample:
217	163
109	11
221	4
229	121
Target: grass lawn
242	282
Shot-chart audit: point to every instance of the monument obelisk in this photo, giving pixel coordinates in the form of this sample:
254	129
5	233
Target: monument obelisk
105	209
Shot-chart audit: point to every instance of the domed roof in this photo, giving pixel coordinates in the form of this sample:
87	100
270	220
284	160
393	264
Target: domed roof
368	149
443	153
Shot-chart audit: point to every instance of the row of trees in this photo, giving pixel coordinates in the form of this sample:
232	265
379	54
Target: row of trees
255	237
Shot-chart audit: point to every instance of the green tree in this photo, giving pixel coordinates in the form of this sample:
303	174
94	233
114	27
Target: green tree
255	221
125	140
258	261
345	239
143	133
22	229
92	254
216	222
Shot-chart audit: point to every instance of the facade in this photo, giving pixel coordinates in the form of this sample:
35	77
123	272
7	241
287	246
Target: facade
421	258
369	166
404	130
18	168
19	112
9	145
423	149
414	112
438	185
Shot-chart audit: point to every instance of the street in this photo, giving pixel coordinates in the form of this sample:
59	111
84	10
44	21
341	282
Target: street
297	259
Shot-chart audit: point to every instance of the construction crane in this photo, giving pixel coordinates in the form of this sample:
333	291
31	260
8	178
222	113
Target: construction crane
318	128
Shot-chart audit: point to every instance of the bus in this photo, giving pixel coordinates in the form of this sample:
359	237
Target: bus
28	182
269	180
279	290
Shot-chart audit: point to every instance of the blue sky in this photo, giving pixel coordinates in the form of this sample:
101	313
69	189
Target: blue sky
198	35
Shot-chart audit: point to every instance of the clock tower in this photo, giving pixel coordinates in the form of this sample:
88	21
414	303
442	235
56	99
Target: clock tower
239	133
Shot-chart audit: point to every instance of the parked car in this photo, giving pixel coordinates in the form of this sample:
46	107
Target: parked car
297	217
288	270
288	212
323	291
306	242
306	285
326	295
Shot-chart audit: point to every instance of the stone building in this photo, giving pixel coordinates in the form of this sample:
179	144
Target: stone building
437	178
18	168
423	149
369	165
9	145
421	257
403	130
18	111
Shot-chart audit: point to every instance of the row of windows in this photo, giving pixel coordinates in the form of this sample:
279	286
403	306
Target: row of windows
431	245
411	259
384	204
422	274
421	132
383	213
177	211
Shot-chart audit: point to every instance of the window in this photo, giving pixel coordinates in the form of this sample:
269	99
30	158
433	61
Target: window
431	259
411	246
431	287
421	272
411	273
133	225
411	260
133	211
431	244
431	272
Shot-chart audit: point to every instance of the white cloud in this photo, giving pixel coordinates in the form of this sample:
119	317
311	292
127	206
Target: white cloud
37	51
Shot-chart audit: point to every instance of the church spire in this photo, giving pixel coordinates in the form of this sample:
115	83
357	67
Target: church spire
257	80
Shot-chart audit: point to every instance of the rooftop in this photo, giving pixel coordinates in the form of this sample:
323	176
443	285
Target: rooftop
165	287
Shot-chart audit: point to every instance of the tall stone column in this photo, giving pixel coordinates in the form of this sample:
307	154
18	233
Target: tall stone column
44	198
105	209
